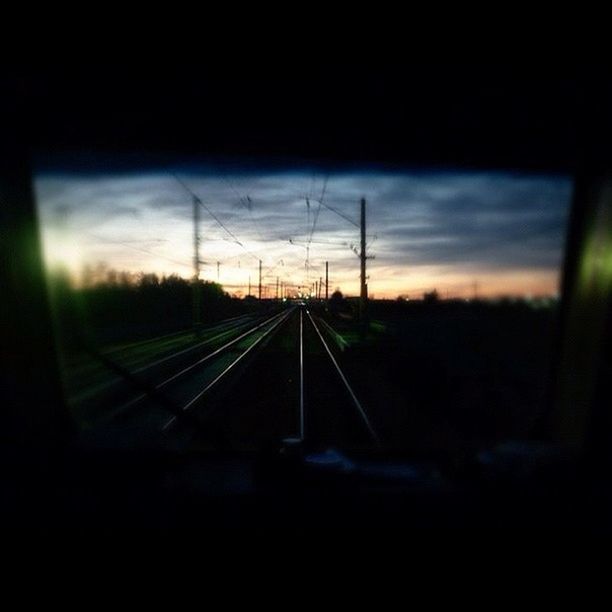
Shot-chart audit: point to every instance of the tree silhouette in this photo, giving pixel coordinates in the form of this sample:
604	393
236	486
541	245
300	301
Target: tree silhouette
110	305
337	302
431	297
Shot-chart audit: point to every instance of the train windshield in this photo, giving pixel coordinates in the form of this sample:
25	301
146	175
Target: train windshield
232	304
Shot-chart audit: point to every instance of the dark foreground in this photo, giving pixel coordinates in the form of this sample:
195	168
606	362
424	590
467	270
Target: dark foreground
277	440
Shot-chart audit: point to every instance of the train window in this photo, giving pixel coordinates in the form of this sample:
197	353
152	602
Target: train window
234	304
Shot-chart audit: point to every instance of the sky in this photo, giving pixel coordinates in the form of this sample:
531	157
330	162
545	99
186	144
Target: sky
460	232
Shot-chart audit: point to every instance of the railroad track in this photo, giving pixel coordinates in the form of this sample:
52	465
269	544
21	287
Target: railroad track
235	357
292	387
275	378
103	401
331	412
89	377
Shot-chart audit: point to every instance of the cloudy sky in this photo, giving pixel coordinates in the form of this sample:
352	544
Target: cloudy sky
498	233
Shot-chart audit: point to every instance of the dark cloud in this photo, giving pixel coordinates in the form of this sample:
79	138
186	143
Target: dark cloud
469	220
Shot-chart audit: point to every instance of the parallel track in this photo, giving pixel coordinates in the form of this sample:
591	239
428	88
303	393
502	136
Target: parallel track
138	364
292	387
273	323
116	398
359	412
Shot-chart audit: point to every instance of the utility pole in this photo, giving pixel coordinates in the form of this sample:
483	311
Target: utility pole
260	279
249	293
218	264
326	281
320	288
197	320
363	298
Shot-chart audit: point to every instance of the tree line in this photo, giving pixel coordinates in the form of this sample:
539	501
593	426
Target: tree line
108	305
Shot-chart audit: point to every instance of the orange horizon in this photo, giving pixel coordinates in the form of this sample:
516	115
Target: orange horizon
449	285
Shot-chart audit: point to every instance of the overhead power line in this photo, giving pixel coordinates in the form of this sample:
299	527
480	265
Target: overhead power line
340	214
316	217
212	214
247	203
207	209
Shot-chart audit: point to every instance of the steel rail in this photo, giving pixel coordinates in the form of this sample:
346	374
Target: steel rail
197	363
356	402
188	349
88	392
167	337
220	376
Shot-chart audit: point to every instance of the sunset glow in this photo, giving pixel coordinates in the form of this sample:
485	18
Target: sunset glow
462	233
